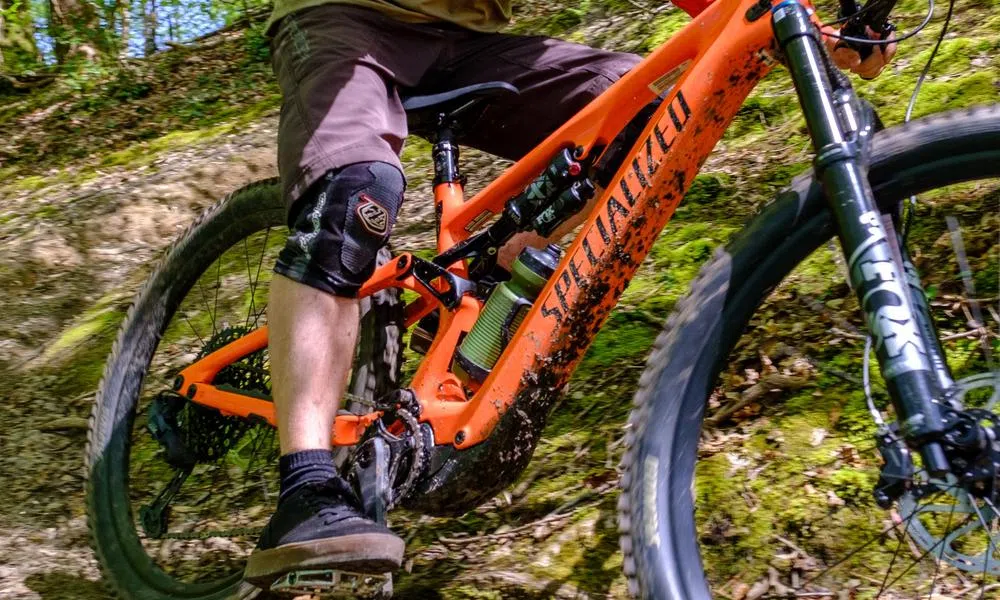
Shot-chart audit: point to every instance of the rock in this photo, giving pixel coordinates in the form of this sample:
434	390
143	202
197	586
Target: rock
740	591
758	590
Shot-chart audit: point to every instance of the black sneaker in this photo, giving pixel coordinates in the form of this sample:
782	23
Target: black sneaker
321	526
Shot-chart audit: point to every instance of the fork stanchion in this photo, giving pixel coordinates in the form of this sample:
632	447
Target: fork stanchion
874	274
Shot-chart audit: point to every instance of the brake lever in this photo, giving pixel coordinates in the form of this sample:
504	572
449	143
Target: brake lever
873	15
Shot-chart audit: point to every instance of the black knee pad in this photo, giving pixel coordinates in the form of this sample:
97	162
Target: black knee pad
338	226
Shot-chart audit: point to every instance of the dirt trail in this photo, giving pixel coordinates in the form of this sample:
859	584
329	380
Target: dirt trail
63	250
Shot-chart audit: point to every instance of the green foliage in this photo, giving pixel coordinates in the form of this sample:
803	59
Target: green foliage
567	18
709	187
17	43
257	45
853	485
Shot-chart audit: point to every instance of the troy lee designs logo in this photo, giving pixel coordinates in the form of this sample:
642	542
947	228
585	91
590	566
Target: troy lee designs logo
613	215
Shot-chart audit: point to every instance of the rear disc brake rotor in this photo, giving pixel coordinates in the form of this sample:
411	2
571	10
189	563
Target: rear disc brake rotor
208	434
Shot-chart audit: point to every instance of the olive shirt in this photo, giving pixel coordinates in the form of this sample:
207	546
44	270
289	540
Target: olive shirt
477	15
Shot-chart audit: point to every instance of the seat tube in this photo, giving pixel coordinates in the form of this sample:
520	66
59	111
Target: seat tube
875	275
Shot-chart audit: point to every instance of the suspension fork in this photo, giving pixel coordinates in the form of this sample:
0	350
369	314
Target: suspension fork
903	347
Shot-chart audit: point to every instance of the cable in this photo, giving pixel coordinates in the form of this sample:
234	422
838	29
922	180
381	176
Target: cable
864	10
871	42
930	59
913	102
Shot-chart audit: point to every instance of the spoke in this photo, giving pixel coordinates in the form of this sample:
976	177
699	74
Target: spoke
193	330
254	284
869	542
899	544
260	313
926	552
218	284
989	545
246	255
263	249
875	538
937	564
965	271
204	298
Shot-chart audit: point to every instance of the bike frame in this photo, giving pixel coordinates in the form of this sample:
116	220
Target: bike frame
703	75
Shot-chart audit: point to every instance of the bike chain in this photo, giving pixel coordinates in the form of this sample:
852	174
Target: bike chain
204	535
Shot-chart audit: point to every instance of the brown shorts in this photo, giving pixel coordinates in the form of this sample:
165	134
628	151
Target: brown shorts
342	68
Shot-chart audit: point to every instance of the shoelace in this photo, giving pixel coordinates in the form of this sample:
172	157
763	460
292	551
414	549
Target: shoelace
330	502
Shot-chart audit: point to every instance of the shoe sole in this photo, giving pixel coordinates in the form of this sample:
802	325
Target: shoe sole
359	553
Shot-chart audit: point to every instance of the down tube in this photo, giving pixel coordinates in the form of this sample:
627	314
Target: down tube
623	226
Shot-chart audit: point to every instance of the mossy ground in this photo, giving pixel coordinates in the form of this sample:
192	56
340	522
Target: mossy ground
763	472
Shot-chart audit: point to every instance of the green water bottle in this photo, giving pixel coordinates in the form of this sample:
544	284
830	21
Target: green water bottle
503	313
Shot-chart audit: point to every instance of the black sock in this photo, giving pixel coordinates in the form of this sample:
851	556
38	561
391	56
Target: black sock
308	466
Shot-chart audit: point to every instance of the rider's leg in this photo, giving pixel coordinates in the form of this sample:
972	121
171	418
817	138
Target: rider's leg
341	129
338	227
309	333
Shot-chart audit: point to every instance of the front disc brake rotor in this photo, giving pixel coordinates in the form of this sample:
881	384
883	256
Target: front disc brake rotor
972	541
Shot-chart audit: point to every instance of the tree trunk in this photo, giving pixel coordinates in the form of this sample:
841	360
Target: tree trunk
76	30
123	16
17	37
3	36
149	26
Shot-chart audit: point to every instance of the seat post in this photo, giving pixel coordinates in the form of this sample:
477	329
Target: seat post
446	153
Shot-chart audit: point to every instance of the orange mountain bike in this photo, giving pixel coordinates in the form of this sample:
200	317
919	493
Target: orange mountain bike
184	409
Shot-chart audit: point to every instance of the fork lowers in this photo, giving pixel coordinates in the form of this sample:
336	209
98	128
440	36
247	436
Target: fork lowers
876	274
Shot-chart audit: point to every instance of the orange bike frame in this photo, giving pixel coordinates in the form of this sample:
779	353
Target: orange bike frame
704	73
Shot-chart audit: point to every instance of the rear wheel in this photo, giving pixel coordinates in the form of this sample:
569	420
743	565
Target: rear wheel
770	494
177	492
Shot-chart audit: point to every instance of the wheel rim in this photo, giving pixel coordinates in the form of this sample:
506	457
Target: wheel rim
212	522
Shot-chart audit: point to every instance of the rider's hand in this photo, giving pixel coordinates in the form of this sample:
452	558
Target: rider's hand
848	58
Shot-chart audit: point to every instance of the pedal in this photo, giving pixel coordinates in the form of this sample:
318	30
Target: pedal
329	584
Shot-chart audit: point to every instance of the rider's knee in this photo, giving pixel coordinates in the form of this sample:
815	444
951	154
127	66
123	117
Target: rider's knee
338	226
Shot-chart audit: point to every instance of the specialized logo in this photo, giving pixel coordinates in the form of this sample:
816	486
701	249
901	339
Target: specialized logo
613	217
374	217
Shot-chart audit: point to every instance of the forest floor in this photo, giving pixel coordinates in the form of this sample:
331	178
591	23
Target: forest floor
100	173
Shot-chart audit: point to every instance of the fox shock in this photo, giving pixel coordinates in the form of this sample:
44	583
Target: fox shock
558	193
875	274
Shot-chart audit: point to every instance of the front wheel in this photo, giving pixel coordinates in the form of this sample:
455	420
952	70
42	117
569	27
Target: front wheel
750	461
